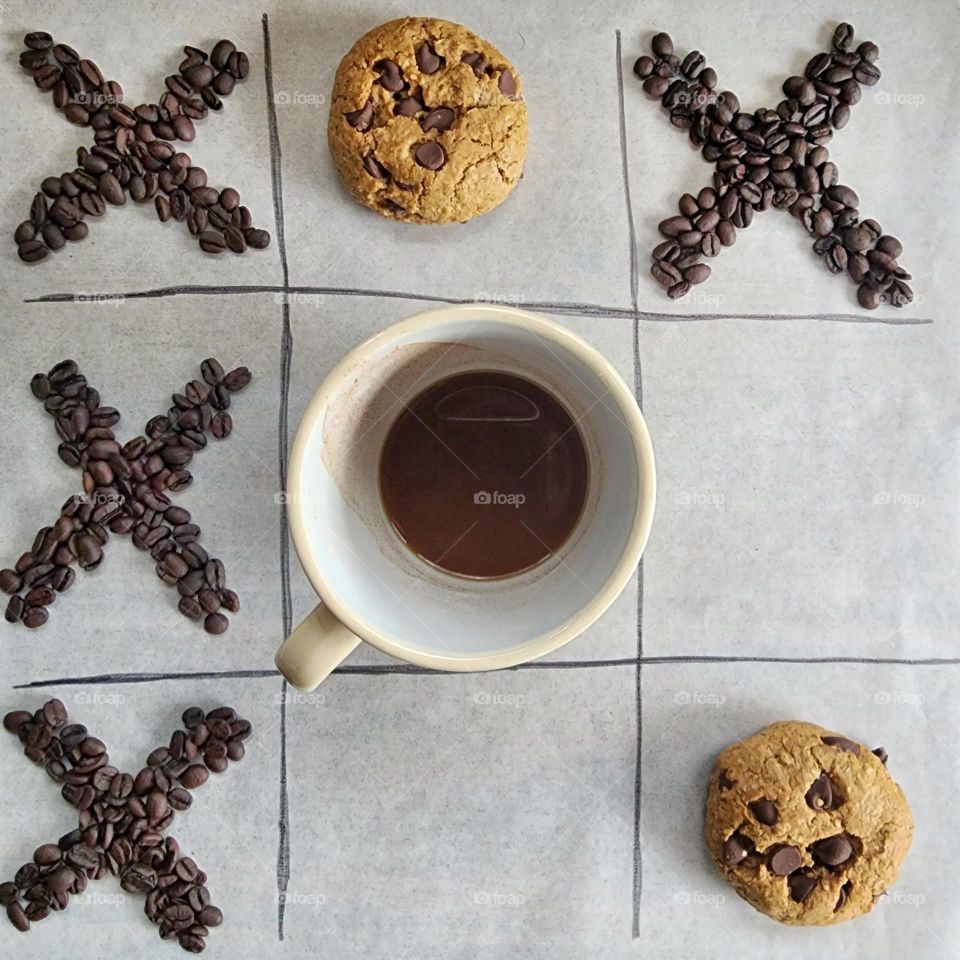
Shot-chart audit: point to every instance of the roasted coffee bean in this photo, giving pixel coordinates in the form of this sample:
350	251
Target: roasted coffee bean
258	239
869	296
212	242
215	623
238	65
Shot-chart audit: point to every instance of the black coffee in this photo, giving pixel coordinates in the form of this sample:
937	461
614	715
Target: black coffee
484	474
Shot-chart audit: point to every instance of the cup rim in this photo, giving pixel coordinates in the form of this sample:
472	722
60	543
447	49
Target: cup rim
640	525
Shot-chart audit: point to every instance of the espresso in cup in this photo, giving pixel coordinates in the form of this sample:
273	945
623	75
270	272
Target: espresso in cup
484	474
468	490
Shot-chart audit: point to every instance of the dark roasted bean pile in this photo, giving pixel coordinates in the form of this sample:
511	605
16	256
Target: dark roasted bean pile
126	492
133	151
772	158
123	820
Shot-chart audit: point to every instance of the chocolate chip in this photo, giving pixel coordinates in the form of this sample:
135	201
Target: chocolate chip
439	119
832	851
477	61
507	84
362	119
427	58
765	811
882	755
843	743
430	155
784	859
844	893
820	794
374	168
801	886
408	107
736	848
724	781
391	77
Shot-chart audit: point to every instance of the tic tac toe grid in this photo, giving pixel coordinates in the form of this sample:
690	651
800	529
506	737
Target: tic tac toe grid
637	664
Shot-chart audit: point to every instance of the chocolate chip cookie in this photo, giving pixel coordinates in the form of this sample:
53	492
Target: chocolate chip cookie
808	826
427	123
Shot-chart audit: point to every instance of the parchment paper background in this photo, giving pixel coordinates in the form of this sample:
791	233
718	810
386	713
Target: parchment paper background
803	561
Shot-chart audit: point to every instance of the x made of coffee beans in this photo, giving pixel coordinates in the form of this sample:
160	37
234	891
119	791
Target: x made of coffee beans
771	158
133	151
123	819
126	492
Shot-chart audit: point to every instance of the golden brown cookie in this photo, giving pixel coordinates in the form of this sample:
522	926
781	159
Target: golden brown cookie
427	123
808	826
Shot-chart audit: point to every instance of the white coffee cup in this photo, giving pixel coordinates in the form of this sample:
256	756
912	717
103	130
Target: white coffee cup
372	587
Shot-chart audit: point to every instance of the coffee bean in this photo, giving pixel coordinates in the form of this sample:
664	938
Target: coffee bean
655	87
675	226
890	245
33	617
665	273
697	273
194	776
215	623
235	240
238	65
212	242
662	45
258	239
16	915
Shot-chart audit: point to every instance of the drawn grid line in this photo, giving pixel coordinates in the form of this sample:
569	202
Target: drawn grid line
390	669
559	307
638	393
286	354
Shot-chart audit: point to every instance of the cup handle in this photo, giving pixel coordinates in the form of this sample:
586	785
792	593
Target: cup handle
312	652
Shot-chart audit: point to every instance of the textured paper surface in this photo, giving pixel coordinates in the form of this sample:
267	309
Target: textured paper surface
803	561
